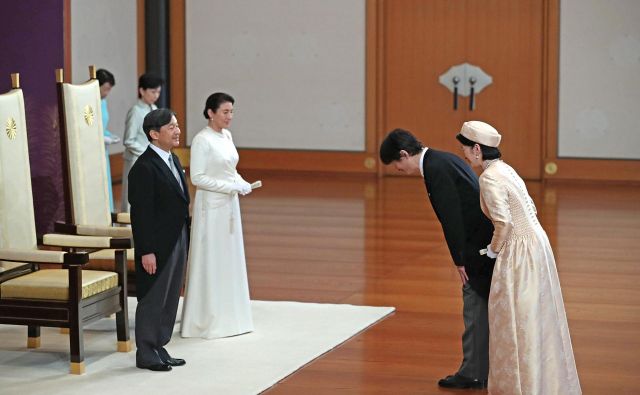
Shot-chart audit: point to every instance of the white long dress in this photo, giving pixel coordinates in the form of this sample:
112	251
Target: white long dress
216	302
530	349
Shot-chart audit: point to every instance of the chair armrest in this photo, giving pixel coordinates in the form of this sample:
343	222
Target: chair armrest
44	256
111	231
121	218
89	242
32	256
92	230
75	259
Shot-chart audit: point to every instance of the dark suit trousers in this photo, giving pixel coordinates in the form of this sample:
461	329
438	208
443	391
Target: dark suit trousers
475	339
156	312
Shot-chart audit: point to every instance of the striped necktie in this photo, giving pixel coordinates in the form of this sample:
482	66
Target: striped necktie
172	166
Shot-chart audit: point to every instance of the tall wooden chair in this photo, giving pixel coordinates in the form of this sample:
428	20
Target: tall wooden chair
81	132
69	297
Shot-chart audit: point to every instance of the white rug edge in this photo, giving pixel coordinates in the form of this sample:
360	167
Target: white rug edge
390	310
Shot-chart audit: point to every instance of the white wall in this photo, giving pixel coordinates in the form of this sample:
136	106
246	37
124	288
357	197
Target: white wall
295	67
599	79
104	33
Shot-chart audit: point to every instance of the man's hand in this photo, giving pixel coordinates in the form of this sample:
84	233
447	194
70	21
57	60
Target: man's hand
463	274
149	263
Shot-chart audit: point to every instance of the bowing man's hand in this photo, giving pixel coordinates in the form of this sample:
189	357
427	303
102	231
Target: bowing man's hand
463	274
149	263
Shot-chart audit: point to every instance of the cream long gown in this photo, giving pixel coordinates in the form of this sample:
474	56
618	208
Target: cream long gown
216	302
529	349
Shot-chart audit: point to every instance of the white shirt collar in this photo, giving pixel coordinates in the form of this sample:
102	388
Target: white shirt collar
424	151
163	154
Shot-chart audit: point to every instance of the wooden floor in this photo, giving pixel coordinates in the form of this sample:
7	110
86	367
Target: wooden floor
369	241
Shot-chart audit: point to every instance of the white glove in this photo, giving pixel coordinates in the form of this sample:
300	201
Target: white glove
242	187
490	253
111	140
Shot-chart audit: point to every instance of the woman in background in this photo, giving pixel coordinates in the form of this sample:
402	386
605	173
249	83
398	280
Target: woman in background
107	81
216	302
135	141
529	344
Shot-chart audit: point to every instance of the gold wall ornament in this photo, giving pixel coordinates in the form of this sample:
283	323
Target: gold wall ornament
11	128
88	115
551	168
369	163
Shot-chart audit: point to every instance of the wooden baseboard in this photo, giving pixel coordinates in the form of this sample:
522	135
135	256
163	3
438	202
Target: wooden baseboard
360	162
324	161
593	170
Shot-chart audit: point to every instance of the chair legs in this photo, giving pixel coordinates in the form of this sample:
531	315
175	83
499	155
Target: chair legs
76	343
122	317
77	368
33	339
76	336
75	319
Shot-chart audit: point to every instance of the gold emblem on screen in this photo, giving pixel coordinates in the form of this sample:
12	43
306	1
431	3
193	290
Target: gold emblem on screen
88	115
11	128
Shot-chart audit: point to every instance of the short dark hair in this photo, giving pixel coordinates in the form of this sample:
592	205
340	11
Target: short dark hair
155	120
149	81
488	153
105	76
215	100
396	141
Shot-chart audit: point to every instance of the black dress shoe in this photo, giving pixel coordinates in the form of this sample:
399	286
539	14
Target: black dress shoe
174	361
156	367
458	381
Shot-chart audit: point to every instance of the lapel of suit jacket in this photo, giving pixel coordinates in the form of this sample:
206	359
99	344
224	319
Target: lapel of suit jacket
164	169
183	179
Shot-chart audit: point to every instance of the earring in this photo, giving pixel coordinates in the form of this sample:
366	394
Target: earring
477	157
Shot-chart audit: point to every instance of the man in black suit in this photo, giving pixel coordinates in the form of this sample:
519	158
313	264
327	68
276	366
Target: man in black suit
454	194
159	201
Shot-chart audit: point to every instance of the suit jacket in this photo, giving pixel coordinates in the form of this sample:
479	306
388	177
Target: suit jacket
159	211
455	196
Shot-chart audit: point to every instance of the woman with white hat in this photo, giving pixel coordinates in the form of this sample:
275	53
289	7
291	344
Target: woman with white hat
529	345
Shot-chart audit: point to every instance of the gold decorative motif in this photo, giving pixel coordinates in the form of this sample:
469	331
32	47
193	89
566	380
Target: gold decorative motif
88	115
551	168
11	128
369	163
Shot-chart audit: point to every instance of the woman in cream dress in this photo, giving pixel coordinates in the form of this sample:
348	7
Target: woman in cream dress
529	345
216	302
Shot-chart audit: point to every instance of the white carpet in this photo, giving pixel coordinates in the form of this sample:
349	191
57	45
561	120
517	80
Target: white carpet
287	336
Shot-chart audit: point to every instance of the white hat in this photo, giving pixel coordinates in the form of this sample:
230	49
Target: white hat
481	133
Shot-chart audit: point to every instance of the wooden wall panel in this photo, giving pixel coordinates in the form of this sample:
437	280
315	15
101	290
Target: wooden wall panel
503	37
421	41
177	75
141	37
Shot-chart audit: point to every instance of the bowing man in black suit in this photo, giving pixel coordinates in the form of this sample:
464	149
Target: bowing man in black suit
453	190
159	201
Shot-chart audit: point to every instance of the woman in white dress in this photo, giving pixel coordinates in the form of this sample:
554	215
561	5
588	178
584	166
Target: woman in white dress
216	302
529	344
